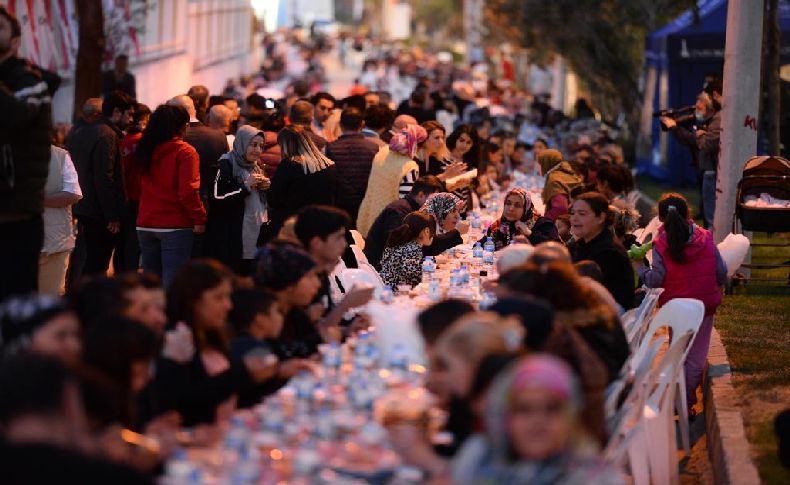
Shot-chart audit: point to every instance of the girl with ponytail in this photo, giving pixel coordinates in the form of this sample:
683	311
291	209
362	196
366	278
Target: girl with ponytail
687	264
402	260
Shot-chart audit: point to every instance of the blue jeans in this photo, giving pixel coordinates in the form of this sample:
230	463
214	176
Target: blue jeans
708	197
165	252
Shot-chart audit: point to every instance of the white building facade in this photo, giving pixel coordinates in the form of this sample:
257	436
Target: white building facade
172	44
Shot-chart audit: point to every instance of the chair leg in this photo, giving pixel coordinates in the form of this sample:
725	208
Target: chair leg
681	405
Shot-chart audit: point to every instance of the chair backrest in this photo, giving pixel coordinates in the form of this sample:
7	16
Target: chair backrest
679	315
359	255
650	231
642	316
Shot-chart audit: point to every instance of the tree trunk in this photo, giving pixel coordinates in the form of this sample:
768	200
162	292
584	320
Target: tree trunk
87	79
771	82
740	106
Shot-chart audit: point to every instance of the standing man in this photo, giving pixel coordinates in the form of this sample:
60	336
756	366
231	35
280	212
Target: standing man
199	95
25	133
324	105
119	79
96	151
353	156
301	113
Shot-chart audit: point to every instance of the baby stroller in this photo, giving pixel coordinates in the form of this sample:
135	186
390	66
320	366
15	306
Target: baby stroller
765	179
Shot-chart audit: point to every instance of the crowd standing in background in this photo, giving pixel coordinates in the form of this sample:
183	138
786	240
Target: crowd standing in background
222	220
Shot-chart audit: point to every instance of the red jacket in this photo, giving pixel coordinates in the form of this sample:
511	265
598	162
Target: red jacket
170	197
696	277
131	168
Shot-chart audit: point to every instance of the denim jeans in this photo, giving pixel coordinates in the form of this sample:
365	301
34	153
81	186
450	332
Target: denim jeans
709	196
165	252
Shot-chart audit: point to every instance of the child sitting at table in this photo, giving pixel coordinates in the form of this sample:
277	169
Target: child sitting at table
563	224
258	321
402	260
520	222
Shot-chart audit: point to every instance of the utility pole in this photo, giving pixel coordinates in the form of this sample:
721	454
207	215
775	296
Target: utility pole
473	29
740	106
87	78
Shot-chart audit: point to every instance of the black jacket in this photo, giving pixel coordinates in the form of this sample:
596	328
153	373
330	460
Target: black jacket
391	217
210	144
618	274
96	152
188	389
225	217
25	136
353	156
292	189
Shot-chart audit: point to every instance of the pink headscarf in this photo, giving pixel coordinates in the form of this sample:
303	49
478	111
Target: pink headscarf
405	142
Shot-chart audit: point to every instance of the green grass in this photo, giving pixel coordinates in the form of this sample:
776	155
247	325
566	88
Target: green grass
754	323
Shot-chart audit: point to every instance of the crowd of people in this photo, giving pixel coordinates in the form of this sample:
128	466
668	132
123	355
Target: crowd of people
224	220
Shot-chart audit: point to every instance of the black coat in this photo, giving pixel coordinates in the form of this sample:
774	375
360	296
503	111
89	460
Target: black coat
225	217
96	152
618	274
292	189
210	144
391	217
25	136
353	156
190	390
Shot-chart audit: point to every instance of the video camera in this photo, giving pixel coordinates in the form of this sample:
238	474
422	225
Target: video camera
682	116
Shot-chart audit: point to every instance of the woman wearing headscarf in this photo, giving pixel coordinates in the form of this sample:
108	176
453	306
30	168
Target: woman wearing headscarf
40	324
304	177
238	205
520	222
446	209
532	431
561	179
392	175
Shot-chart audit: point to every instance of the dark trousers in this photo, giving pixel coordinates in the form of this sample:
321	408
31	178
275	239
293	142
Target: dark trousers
20	246
127	254
99	245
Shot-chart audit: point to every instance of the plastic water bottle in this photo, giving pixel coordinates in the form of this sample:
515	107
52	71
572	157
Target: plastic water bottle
399	359
434	289
477	251
488	257
332	356
489	245
474	221
387	295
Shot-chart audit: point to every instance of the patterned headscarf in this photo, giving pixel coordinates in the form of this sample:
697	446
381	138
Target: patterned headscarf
506	228
21	317
439	205
405	142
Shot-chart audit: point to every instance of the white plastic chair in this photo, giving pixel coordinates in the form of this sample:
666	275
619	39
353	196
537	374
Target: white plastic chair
680	315
642	433
364	275
359	255
641	317
659	413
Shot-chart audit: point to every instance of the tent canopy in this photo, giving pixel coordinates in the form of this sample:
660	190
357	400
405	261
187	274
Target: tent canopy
683	53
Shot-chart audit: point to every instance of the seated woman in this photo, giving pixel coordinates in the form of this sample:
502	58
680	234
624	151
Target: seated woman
561	179
520	223
401	263
591	222
288	271
575	306
446	209
532	432
202	388
40	324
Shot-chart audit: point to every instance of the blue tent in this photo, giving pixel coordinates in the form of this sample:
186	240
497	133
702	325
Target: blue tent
678	56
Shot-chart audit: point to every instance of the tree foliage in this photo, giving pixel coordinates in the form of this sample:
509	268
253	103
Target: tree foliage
602	40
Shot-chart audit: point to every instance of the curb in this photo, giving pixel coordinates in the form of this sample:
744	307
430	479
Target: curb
728	448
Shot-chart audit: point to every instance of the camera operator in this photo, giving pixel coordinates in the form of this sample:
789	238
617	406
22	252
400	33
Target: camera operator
702	138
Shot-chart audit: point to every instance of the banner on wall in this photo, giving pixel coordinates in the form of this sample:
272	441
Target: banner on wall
49	31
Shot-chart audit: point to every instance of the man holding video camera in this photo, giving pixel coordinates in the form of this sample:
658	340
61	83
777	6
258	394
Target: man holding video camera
702	135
